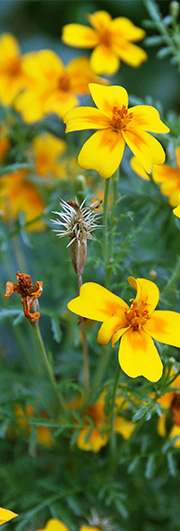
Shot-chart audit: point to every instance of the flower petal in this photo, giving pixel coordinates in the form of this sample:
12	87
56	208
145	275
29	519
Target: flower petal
175	432
145	147
164	326
123	28
147	118
161	425
130	53
102	152
104	61
176	211
60	102
138	356
124	427
107	97
96	302
79	35
94	443
81	75
85	118
138	168
109	327
9	49
147	291
54	525
177	151
118	334
6	515
100	19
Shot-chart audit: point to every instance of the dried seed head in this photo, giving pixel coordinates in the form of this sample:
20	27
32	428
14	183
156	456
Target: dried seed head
102	524
78	222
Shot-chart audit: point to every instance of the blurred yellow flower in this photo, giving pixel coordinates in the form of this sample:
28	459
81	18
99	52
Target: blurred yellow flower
54	88
117	126
47	150
12	75
135	325
54	525
170	403
6	515
94	439
44	436
167	176
111	40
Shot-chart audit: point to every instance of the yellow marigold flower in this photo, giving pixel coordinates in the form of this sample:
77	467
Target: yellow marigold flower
47	150
54	525
6	515
170	403
54	88
99	438
12	75
167	176
117	126
17	195
111	40
136	325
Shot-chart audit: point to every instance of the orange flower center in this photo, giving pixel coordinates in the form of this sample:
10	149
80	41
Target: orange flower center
137	314
14	67
120	118
64	82
175	408
105	36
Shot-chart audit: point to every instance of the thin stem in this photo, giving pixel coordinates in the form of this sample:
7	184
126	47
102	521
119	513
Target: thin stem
101	369
105	223
84	344
47	366
115	179
113	414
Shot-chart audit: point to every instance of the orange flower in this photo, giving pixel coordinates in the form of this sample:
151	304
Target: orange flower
43	433
170	403
6	515
54	87
28	292
54	525
117	125
111	40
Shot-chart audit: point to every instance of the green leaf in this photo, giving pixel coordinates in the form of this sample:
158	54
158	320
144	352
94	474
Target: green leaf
56	329
150	466
154	40
163	52
171	465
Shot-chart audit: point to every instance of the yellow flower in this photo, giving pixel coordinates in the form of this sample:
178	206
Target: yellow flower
93	440
117	126
6	515
54	525
170	403
54	87
111	40
17	195
12	76
47	150
167	176
136	325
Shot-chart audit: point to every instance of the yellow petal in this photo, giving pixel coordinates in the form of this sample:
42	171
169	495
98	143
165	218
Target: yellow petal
109	327
104	61
9	49
175	432
147	291
29	103
124	427
100	20
79	35
161	426
102	152
147	118
43	67
176	211
138	356
54	525
177	151
85	118
96	302
118	334
81	74
130	53
6	515
123	28
94	443
164	326
88	528
145	147
60	102
138	168
166	173
107	97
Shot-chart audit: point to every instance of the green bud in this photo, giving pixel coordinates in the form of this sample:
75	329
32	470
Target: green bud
174	9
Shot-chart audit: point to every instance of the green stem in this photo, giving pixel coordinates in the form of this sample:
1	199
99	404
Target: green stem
115	179
173	279
47	366
84	344
101	369
105	223
113	414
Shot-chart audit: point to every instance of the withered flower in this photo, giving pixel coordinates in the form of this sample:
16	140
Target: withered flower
28	291
78	222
